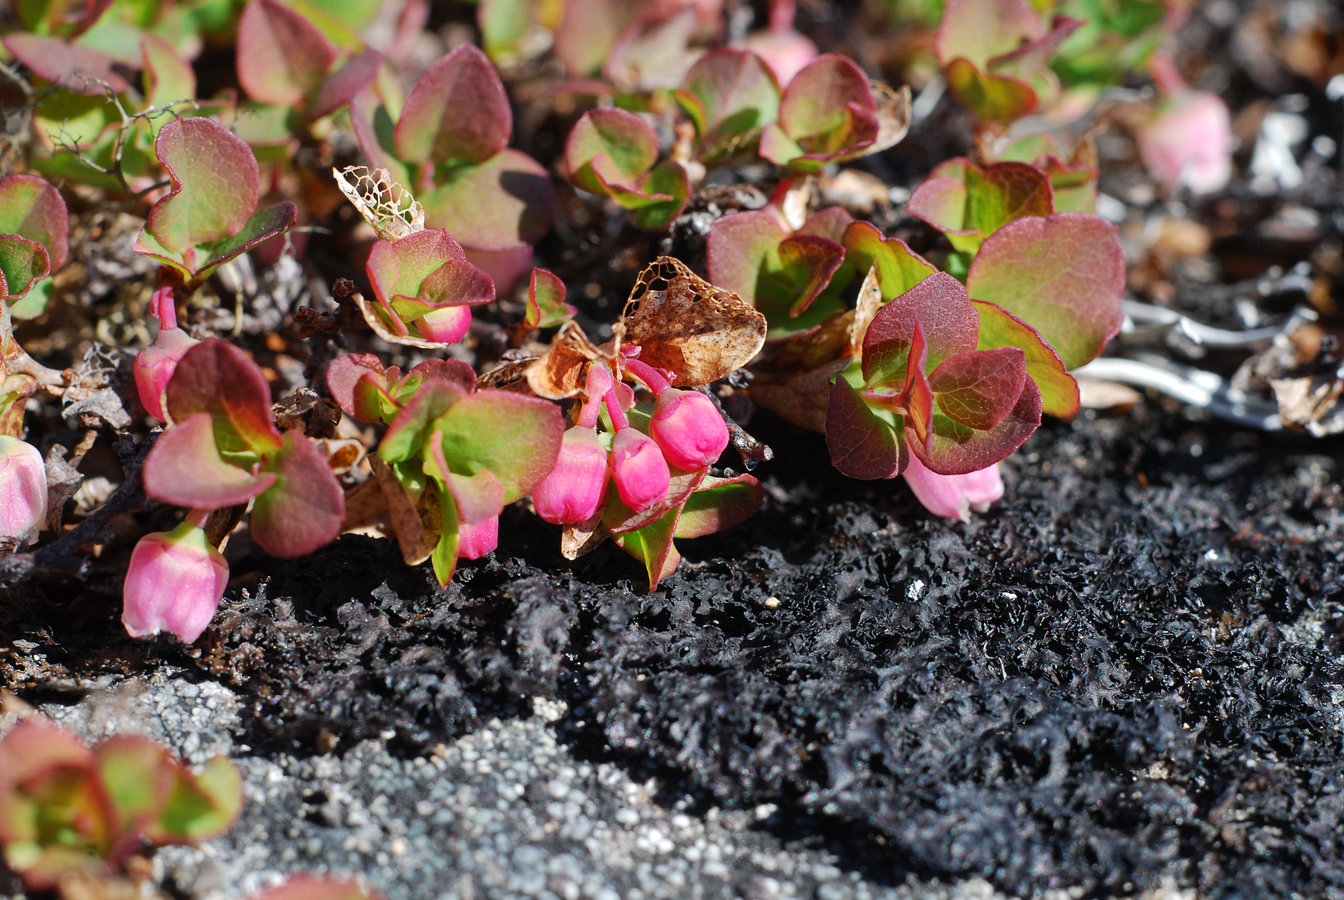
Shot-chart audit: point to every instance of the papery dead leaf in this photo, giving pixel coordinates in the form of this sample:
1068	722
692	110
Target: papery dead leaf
559	372
416	523
582	538
687	326
374	320
388	207
893	115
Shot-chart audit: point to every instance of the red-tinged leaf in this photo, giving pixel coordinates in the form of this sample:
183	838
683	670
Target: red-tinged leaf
282	57
618	518
993	98
979	30
828	107
719	504
938	305
22	263
407	433
66	19
979	388
955	449
806	265
739	246
653	53
514	436
355	382
217	378
74	67
546	306
32	746
898	267
969	203
184	468
304	509
503	202
457	111
34	209
587	31
168	76
478	497
456	372
1031	61
652	545
918	394
1000	328
265	224
609	146
862	444
428	264
1063	275
215	184
138	775
341	86
729	94
201	805
669	187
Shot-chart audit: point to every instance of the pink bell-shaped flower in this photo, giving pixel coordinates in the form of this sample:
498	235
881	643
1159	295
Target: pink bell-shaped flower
688	428
574	489
23	491
478	538
154	365
1188	142
174	583
953	496
639	469
447	324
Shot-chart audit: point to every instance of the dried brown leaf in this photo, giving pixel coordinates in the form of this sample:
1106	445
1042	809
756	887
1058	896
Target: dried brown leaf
685	325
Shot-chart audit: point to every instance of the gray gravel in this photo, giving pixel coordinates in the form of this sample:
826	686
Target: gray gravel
505	812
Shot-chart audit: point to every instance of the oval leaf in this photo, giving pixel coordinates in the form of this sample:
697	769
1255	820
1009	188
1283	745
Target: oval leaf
214	184
862	445
978	389
282	57
303	509
184	468
457	111
1064	275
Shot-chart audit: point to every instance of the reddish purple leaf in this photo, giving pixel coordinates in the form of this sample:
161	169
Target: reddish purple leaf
739	245
74	67
938	305
918	395
457	111
349	380
217	378
980	387
862	445
304	509
342	85
184	468
955	449
1063	275
829	106
427	264
282	57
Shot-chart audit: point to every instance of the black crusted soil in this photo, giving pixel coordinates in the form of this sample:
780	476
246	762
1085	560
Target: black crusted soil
1127	674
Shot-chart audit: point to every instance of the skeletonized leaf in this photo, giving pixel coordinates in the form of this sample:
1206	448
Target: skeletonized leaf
687	326
387	206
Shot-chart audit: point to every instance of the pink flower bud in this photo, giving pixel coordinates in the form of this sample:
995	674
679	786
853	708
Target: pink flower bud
174	584
1189	142
477	539
23	491
574	489
639	469
953	496
447	324
688	428
154	367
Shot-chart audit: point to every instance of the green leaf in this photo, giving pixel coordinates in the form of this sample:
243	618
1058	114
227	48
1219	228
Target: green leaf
22	262
217	378
34	209
408	432
514	436
215	185
1063	275
609	147
652	545
546	306
282	57
202	805
1000	328
719	504
969	203
184	467
498	204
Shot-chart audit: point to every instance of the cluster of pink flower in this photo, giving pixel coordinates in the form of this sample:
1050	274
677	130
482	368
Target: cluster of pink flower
686	432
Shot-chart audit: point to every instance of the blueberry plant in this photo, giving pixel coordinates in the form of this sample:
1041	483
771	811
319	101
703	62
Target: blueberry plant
441	374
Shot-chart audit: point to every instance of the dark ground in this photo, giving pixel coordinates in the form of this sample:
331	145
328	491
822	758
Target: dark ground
1126	675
